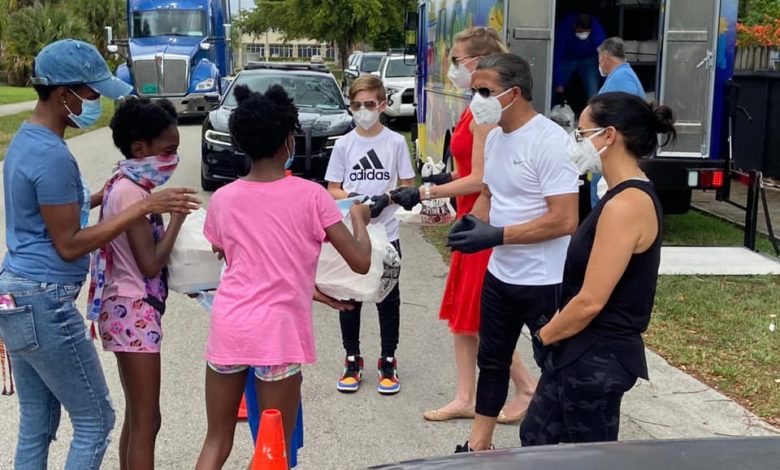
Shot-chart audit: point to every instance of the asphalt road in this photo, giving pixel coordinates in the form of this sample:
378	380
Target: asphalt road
364	429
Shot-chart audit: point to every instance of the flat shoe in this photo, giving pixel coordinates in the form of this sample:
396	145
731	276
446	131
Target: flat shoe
439	415
504	419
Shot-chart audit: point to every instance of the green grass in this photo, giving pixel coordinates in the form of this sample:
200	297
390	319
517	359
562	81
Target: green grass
717	329
10	124
13	94
714	328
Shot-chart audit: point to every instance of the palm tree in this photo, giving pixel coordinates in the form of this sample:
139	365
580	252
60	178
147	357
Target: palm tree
29	30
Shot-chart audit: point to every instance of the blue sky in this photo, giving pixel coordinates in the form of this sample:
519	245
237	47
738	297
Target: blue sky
245	4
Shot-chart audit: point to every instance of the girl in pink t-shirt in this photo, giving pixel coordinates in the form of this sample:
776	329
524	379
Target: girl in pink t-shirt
270	229
128	290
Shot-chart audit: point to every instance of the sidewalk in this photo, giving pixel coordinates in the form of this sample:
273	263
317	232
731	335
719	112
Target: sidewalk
15	108
706	202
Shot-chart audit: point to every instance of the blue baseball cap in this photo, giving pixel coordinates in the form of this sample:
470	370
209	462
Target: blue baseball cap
72	62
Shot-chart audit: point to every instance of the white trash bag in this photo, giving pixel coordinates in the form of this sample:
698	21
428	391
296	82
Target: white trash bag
563	115
336	279
431	211
192	266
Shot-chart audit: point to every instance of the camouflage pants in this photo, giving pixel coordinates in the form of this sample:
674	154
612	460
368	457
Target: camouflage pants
579	402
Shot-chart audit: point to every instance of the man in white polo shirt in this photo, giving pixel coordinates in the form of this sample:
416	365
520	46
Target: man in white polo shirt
526	212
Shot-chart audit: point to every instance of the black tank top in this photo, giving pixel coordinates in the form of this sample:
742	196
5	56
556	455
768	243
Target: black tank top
626	314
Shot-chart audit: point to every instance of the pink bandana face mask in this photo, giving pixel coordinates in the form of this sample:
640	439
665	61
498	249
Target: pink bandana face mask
149	172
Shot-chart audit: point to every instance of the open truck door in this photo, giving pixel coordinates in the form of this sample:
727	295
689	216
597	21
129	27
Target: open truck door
530	35
687	74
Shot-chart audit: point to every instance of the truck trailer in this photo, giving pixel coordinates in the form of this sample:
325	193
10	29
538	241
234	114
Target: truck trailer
682	50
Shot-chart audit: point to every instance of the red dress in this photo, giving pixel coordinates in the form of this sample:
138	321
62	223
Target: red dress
461	303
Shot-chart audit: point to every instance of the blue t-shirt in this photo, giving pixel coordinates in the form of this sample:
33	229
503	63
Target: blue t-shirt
623	79
39	170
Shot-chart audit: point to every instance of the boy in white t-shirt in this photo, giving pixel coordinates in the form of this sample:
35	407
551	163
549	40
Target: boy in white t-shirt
370	161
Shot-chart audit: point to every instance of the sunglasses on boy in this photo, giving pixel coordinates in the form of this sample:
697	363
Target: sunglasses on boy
369	105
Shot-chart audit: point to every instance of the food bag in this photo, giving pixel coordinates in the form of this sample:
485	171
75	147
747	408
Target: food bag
193	266
336	279
563	115
430	211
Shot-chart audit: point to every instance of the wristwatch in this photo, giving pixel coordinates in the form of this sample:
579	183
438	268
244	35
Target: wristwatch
537	340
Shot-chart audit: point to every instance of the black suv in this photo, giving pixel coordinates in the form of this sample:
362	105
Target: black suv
322	112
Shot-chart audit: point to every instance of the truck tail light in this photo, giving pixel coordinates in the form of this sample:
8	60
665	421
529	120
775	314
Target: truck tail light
706	179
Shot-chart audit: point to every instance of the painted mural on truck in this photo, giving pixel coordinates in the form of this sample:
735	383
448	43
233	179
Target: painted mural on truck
443	102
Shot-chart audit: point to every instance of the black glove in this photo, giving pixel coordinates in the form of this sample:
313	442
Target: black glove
363	198
379	204
471	235
441	178
407	197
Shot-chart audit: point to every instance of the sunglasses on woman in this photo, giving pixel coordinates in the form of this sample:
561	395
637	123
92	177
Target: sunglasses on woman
358	105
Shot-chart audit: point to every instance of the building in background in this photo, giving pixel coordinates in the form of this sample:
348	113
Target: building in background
271	46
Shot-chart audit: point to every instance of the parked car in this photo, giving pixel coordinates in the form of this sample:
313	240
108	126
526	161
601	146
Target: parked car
322	112
398	74
748	453
360	63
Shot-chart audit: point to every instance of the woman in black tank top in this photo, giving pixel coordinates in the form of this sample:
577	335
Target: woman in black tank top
592	351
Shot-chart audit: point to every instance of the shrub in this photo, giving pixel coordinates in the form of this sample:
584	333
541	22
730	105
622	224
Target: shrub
767	34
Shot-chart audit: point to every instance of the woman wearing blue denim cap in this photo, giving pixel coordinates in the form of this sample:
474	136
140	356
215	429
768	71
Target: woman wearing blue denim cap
54	364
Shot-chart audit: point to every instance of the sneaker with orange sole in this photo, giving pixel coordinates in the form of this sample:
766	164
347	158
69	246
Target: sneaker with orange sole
352	375
387	371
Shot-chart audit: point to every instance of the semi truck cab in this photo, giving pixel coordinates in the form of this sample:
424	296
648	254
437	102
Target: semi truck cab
178	50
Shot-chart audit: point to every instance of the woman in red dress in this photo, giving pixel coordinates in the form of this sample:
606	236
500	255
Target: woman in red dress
461	303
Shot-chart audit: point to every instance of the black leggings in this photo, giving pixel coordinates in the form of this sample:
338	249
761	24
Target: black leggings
389	321
505	308
579	402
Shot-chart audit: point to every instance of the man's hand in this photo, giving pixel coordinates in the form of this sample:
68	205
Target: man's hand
441	178
406	197
379	204
331	302
471	235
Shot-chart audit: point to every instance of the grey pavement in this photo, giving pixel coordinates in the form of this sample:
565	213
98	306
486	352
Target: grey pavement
15	108
706	202
359	430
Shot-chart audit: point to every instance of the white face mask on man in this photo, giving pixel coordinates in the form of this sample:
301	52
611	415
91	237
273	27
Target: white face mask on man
583	36
584	155
488	110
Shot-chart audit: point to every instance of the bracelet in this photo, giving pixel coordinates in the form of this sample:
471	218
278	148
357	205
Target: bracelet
427	192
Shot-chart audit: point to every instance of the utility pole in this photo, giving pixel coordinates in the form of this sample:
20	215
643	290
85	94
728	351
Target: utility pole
240	42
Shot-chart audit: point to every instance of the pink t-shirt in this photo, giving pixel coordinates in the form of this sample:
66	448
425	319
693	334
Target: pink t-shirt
126	279
272	234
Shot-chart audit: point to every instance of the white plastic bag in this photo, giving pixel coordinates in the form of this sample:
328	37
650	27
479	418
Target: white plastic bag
337	280
192	266
431	211
563	115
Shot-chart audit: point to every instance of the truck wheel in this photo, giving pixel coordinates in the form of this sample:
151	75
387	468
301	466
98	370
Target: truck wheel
675	201
207	184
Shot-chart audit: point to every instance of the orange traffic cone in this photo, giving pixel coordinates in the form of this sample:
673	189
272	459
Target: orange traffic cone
242	413
271	450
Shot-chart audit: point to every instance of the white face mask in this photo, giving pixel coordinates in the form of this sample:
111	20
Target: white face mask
586	157
460	76
488	110
583	36
366	119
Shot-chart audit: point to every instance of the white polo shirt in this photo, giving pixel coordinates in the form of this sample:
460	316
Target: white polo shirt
522	168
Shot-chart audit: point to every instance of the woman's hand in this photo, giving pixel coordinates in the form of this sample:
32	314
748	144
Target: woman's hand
172	200
331	302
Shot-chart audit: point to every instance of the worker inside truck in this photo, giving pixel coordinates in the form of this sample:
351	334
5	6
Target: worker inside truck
636	21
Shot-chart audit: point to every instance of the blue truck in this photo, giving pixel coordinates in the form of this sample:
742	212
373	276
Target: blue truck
176	49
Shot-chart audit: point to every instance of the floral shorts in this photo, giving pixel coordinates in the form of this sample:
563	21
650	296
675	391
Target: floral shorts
129	325
264	373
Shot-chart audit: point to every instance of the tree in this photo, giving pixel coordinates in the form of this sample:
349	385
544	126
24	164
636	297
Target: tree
29	30
759	12
97	14
343	22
